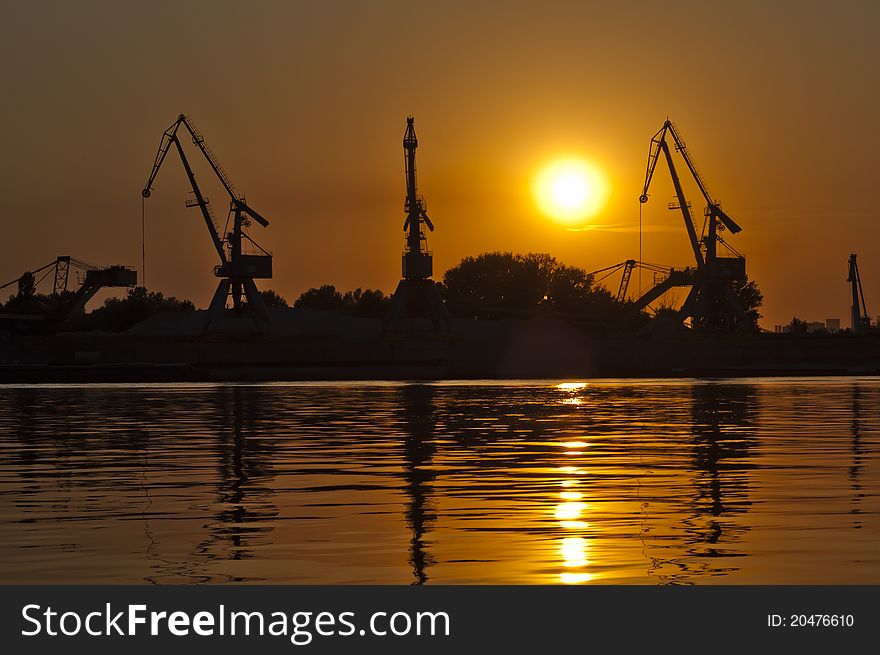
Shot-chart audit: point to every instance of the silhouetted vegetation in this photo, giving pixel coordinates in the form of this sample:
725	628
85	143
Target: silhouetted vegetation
34	303
371	303
752	300
489	286
797	326
504	284
115	315
119	314
273	299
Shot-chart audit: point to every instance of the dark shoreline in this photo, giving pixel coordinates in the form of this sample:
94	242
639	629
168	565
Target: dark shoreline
467	350
133	375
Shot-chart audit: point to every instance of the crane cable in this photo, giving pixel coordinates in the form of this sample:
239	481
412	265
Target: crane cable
640	249
143	243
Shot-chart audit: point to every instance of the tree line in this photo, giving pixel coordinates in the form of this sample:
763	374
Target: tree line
488	286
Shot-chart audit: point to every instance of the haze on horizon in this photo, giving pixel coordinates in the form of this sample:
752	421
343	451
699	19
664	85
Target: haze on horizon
305	106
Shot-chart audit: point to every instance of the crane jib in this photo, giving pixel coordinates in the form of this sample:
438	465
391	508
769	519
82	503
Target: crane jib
233	262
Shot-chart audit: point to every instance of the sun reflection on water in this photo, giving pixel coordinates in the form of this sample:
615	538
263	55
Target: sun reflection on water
572	388
570	511
574	552
575	444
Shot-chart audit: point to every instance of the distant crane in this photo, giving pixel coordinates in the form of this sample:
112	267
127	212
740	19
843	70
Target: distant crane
665	278
416	293
237	269
711	302
861	322
91	279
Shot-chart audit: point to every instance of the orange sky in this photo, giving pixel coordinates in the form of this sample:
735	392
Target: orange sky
305	105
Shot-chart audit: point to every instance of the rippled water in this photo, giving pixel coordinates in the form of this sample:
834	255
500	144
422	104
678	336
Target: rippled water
653	482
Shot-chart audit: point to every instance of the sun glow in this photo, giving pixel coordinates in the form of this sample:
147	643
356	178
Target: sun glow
570	191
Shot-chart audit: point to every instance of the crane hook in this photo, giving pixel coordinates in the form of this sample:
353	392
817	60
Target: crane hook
145	193
643	198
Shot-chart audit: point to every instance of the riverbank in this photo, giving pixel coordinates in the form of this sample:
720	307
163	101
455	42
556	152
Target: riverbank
311	345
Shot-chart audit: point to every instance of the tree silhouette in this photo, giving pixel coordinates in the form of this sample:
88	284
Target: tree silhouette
118	314
325	297
499	284
273	299
752	300
371	303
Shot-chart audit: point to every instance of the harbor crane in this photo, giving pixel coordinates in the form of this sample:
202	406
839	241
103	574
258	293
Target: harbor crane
70	301
661	273
237	269
861	322
665	278
712	302
416	293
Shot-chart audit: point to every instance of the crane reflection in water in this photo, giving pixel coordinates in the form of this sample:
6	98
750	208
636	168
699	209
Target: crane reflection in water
670	482
418	420
686	506
722	417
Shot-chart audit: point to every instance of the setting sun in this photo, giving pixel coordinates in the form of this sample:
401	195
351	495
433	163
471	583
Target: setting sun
570	191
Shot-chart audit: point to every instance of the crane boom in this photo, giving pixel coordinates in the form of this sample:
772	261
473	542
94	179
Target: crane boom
682	148
238	203
169	138
202	203
209	155
658	144
31	273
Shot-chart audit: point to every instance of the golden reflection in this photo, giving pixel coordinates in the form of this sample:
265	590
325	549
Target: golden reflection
570	511
575	444
574	552
574	525
572	388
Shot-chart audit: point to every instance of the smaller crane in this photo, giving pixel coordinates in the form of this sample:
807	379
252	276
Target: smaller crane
416	293
861	322
237	269
90	280
665	279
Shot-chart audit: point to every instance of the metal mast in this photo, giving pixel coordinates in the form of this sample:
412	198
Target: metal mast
416	295
858	310
417	260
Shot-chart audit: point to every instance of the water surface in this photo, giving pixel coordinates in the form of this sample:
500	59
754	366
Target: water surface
612	482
